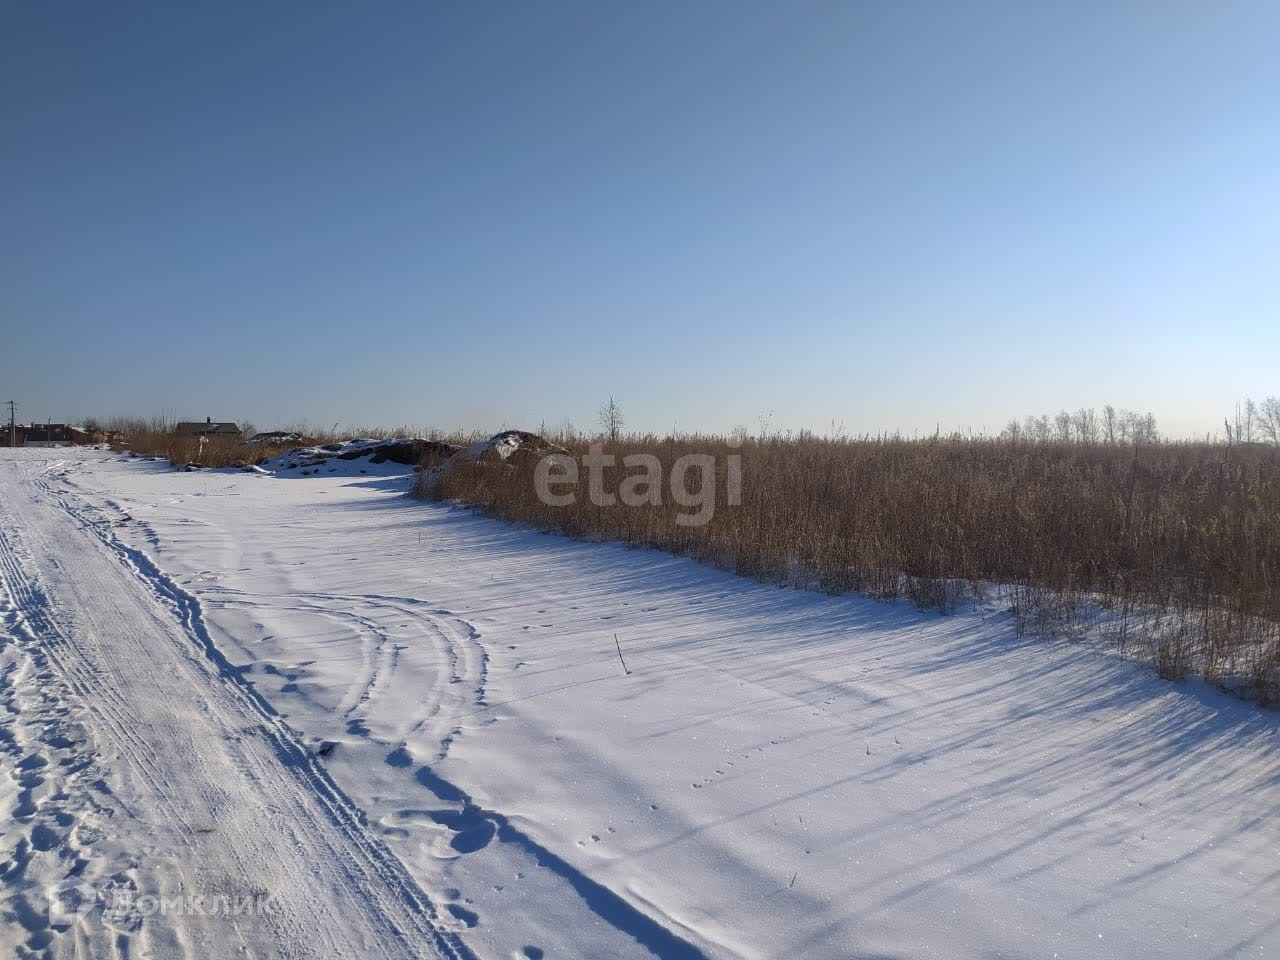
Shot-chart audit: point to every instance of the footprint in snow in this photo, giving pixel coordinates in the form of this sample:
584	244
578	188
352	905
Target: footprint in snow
43	838
399	757
469	917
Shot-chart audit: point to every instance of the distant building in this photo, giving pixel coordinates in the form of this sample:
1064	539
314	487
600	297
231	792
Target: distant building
210	428
43	435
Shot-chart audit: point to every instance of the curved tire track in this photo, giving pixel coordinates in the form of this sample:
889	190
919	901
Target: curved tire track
135	651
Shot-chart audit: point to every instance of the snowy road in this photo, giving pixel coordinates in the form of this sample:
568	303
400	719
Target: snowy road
148	766
407	726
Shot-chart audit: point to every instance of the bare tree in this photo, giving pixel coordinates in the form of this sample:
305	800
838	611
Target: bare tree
611	420
1269	419
1144	428
1243	423
1062	427
1086	424
1038	428
1109	423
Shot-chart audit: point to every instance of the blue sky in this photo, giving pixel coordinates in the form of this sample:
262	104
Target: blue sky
886	216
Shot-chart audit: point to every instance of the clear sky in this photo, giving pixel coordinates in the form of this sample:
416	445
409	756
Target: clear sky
883	215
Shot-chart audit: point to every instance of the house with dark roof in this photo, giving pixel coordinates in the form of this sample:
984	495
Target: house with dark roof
210	428
43	435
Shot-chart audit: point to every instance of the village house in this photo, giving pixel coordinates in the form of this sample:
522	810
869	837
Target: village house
43	435
209	428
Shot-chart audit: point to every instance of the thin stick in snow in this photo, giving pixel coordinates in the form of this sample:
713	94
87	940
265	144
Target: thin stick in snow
624	663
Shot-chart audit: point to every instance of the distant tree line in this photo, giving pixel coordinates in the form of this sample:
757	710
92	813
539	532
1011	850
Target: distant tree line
1086	425
1252	422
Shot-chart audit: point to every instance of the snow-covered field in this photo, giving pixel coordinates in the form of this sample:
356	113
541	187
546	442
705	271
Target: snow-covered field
277	715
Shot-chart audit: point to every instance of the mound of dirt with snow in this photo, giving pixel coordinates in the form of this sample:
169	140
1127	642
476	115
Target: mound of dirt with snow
516	447
356	456
276	438
510	449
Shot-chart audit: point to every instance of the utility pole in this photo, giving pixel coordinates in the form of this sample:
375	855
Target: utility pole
13	426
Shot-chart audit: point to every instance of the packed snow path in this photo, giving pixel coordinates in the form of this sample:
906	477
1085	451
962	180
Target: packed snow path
151	766
409	726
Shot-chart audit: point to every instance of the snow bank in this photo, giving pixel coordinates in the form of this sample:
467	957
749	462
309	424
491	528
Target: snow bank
353	457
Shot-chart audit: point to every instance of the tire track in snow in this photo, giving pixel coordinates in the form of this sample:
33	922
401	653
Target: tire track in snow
47	752
288	746
368	870
43	631
457	686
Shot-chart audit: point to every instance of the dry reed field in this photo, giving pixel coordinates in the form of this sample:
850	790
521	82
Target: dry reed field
180	450
1169	550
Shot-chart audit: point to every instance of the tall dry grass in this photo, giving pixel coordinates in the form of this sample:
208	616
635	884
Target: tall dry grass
1171	549
180	449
